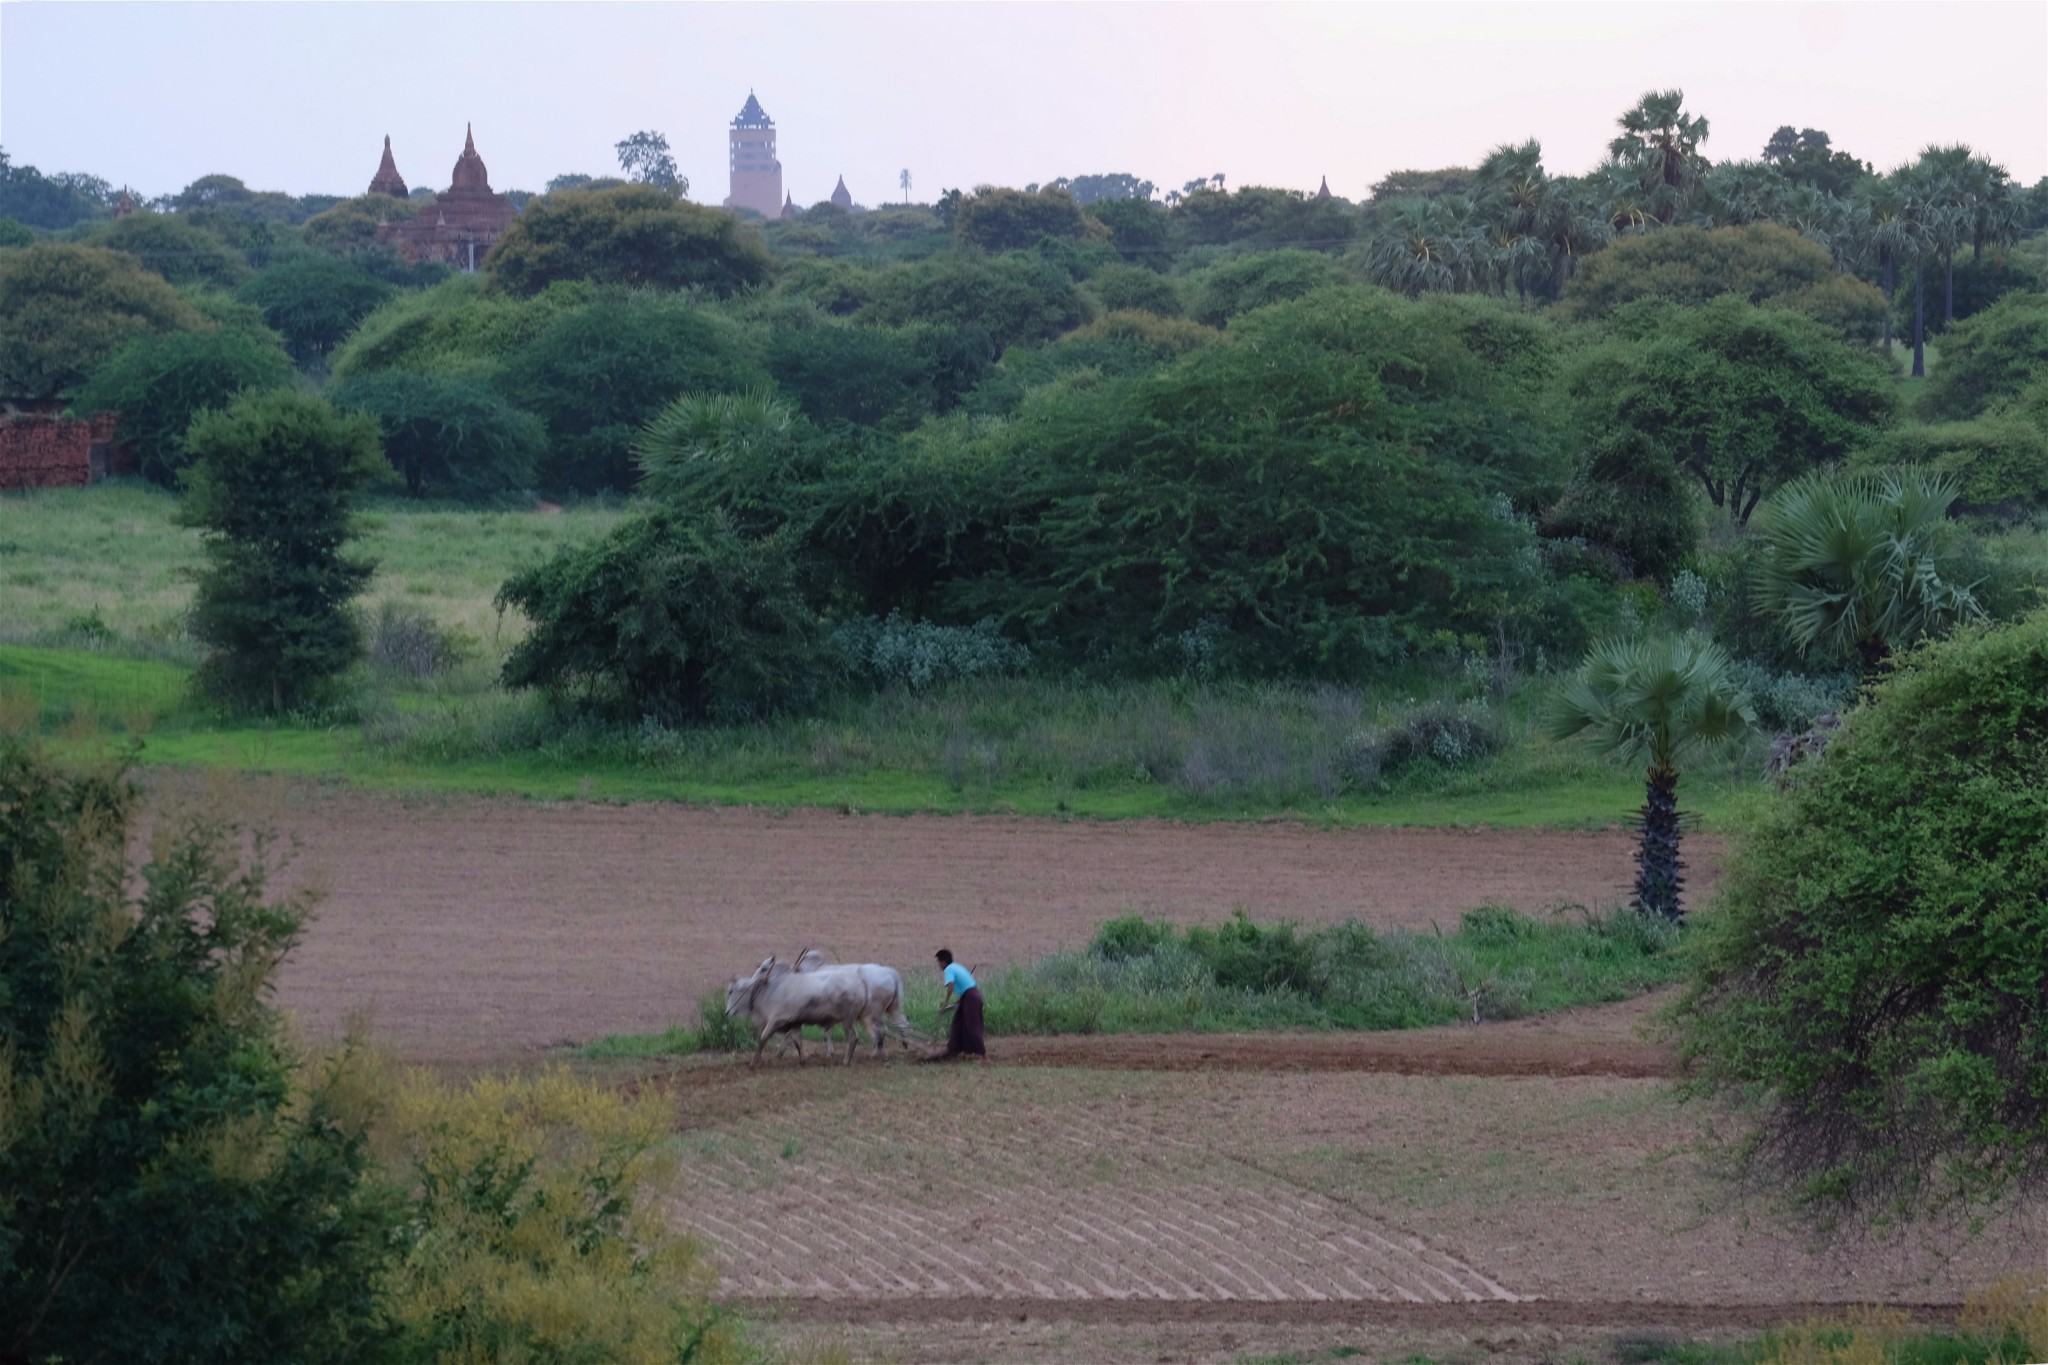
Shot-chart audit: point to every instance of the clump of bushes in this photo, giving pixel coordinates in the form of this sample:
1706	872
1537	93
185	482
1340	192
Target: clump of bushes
921	654
1446	734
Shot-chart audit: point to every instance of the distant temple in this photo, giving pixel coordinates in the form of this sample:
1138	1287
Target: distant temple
464	221
789	208
388	180
840	195
1324	192
756	174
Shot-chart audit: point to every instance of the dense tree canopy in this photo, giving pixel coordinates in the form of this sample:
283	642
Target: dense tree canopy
64	309
313	301
175	249
1990	358
636	235
1007	220
1741	398
1761	263
158	383
453	437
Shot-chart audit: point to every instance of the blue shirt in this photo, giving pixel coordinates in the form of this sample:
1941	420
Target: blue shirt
958	977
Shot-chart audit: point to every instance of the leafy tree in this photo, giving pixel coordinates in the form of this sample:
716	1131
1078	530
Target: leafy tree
1990	358
1652	700
877	376
1999	463
1016	298
1742	398
1853	562
1008	220
1977	284
352	224
1807	157
1123	288
645	159
314	300
1138	228
158	384
1630	497
1424	246
1258	215
1762	263
227	194
13	233
595	374
636	236
1094	189
672	616
448	436
1869	988
170	1190
1421	184
64	309
176	250
1223	291
52	202
270	486
457	327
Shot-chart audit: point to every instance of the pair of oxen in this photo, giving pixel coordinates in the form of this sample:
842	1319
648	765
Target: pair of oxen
782	997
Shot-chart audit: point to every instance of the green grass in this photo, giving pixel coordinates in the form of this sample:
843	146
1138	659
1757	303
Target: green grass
1145	977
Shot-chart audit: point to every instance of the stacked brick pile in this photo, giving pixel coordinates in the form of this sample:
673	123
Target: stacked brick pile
38	451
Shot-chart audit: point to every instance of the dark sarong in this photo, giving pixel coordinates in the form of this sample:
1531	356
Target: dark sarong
965	1039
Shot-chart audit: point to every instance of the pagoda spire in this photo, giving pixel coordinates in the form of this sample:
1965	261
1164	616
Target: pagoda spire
388	180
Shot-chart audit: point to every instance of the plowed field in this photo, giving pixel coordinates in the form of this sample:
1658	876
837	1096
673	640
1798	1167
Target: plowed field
475	929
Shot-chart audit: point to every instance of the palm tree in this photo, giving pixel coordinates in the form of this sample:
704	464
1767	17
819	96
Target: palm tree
1663	142
903	179
1423	245
1887	229
1653	701
1852	561
686	440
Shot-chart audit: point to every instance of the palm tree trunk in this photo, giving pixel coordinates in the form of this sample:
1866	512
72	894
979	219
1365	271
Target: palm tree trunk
1890	284
1658	879
1919	318
1948	297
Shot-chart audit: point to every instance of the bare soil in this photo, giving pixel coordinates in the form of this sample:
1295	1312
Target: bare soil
474	929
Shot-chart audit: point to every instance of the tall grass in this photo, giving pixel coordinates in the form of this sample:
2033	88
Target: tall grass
1143	976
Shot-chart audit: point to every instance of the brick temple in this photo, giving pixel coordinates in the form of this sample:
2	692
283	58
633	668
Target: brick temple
462	224
756	174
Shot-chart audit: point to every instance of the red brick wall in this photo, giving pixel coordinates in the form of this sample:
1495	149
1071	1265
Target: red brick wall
53	452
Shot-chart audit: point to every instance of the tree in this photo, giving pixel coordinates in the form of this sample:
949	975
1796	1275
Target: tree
228	195
352	224
1423	246
1742	398
674	616
271	482
449	436
158	384
1808	157
176	250
51	202
1017	298
13	233
313	301
1630	497
1125	287
1869	988
635	236
1853	562
64	309
595	374
1660	143
1999	462
1008	220
1990	358
1653	700
645	159
1237	286
169	1190
1764	263
1094	189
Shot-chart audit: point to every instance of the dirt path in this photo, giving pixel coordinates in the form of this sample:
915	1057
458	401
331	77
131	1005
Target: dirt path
470	929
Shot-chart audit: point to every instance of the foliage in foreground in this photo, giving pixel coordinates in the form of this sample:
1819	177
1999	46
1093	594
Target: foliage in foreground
1873	986
177	1183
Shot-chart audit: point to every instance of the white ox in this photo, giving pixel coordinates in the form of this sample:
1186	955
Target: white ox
885	998
779	999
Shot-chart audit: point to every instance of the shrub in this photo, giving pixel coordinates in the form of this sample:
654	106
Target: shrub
1224	291
176	250
1870	984
921	654
1760	263
1243	956
405	642
158	384
1999	462
1630	497
314	300
634	235
272	480
173	1186
1007	220
1133	288
1447	734
1130	936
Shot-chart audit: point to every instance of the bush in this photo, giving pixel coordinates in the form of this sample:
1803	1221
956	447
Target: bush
1629	497
2000	462
173	1186
1761	263
272	480
176	250
671	616
920	654
158	384
636	236
1224	291
1009	220
1870	983
1017	298
454	328
1442	733
1131	288
405	642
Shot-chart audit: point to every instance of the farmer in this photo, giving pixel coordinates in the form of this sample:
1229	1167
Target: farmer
965	1038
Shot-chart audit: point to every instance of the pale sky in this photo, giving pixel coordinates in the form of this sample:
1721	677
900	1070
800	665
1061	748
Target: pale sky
299	97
